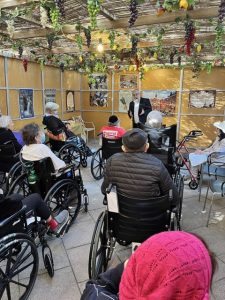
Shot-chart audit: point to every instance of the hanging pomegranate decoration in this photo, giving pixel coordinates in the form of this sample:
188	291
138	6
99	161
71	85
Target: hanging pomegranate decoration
25	63
189	35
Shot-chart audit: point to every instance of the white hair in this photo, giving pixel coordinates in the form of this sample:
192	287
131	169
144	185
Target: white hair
50	106
5	121
154	119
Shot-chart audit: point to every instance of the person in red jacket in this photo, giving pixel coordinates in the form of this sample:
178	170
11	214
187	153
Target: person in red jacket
113	130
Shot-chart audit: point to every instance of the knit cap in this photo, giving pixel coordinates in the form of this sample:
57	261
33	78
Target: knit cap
134	139
168	266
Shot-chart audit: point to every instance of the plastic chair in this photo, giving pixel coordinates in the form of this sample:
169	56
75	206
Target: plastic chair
216	185
87	126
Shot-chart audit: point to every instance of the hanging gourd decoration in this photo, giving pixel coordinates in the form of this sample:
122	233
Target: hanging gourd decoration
183	4
155	55
199	48
25	63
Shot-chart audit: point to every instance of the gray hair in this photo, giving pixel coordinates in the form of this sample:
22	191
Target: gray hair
50	106
5	121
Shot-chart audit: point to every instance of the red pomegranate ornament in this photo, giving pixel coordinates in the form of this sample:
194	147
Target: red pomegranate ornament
25	63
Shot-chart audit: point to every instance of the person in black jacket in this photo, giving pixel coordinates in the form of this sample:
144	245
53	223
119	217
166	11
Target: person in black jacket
139	108
137	173
8	159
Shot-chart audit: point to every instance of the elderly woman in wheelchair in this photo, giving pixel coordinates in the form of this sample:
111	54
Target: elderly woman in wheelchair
23	225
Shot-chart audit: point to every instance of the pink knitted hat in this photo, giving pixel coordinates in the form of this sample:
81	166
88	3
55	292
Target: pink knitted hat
171	265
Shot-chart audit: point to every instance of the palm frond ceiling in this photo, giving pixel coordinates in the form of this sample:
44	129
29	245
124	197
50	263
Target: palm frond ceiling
136	34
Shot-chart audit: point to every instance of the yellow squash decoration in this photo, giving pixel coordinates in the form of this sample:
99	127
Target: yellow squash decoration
155	55
199	48
183	4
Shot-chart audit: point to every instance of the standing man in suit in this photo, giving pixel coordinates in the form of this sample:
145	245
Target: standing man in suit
139	108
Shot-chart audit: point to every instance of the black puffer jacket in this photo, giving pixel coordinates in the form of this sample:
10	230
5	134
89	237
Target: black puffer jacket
138	174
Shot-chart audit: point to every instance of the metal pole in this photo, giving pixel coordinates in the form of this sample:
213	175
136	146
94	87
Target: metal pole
61	91
43	90
7	85
180	102
113	82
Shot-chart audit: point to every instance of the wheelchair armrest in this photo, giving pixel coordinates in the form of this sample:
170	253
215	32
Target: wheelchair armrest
66	168
13	217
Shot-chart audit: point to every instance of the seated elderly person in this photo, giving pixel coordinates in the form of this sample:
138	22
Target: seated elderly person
137	173
6	135
34	148
113	130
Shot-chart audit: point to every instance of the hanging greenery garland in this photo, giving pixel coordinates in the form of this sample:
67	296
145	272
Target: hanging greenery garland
54	14
220	28
112	37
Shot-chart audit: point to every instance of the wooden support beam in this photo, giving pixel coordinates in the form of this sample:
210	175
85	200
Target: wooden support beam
203	13
14	3
107	14
166	42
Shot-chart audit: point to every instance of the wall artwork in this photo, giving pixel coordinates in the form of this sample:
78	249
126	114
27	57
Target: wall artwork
125	97
164	101
202	99
50	95
70	104
98	95
128	81
26	103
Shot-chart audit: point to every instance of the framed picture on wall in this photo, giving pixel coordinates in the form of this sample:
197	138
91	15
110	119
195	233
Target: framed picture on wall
70	103
50	95
164	101
125	97
98	87
129	81
202	99
26	103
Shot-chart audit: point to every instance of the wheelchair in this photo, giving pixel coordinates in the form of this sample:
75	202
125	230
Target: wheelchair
19	260
60	190
128	220
109	147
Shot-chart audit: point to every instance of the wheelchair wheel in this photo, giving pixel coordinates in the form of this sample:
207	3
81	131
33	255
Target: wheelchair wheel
97	165
70	154
18	271
64	194
48	260
193	184
85	201
84	162
14	172
20	186
99	254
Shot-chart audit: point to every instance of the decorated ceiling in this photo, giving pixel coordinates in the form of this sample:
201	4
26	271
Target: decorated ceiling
101	35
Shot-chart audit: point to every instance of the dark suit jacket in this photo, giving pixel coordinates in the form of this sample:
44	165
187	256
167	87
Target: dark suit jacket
145	104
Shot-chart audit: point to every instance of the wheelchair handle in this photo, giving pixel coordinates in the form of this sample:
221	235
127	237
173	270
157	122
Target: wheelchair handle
62	170
14	216
109	188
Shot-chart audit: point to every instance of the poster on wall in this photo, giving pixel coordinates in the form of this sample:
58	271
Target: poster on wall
202	99
98	95
128	81
50	95
164	101
70	104
125	97
26	103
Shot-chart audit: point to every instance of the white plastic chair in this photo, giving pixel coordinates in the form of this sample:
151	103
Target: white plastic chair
87	126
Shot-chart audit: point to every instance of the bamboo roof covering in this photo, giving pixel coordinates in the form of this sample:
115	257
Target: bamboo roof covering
166	32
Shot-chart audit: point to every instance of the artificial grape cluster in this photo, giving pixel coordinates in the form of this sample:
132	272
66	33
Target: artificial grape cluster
179	60
172	54
50	40
20	51
221	11
87	33
62	67
133	11
54	13
61	7
189	35
134	43
93	10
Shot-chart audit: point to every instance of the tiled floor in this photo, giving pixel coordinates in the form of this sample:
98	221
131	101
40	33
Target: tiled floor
71	252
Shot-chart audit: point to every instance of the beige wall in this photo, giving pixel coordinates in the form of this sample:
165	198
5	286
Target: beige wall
52	79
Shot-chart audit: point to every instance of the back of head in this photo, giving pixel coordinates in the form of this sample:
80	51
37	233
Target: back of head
171	265
5	121
154	119
113	120
50	107
29	133
134	140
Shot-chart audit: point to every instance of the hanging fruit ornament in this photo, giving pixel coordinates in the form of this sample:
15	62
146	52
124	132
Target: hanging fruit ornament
80	59
183	4
60	5
62	67
179	60
43	16
10	27
199	48
160	11
134	44
189	35
25	63
93	10
133	12
20	51
155	55
87	33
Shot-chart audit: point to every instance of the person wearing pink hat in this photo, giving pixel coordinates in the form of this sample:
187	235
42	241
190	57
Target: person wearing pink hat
172	265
